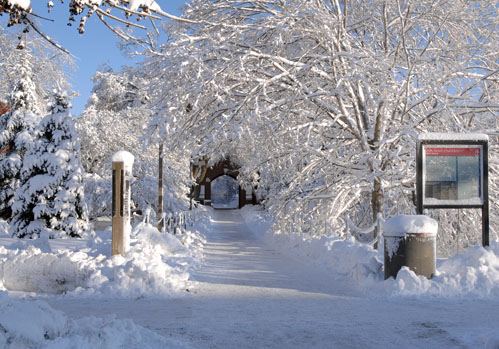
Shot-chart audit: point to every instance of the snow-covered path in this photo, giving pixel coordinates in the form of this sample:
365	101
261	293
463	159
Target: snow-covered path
247	295
239	264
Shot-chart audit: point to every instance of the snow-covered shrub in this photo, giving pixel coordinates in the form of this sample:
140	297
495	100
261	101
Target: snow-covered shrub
4	229
50	200
98	195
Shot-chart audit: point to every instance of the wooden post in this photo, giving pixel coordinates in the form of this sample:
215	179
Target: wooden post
122	164
161	222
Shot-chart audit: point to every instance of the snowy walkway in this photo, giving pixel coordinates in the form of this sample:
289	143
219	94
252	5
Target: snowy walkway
249	296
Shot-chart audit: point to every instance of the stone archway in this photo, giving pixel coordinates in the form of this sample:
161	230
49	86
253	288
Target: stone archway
205	175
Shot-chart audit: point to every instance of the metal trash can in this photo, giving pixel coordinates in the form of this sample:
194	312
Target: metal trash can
410	241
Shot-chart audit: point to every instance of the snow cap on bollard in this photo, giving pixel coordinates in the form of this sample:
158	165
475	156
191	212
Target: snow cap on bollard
401	225
125	157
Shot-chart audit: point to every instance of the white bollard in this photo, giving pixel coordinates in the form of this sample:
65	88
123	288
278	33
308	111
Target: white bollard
122	173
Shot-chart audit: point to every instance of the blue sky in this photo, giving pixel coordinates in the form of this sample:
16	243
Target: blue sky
97	46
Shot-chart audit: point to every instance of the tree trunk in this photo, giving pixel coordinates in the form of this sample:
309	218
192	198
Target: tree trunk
376	205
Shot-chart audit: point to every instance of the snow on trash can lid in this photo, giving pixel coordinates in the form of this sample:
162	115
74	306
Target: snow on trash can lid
414	224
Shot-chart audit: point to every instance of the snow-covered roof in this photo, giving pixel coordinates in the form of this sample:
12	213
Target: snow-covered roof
437	136
3	108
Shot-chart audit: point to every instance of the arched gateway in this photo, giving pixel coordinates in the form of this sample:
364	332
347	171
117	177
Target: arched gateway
217	177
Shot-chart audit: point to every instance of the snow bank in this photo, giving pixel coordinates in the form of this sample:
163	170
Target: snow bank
346	259
34	324
156	265
474	273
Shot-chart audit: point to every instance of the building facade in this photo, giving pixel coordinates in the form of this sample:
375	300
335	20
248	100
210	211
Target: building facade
205	177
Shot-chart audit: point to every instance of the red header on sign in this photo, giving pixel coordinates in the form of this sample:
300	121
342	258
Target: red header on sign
452	151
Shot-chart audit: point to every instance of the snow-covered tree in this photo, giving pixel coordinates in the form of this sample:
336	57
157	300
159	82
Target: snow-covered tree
27	72
50	200
46	64
113	120
328	96
16	132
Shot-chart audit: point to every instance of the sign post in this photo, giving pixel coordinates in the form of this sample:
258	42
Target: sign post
452	172
122	173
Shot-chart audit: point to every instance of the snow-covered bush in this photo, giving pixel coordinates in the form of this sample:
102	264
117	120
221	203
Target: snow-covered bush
50	200
98	195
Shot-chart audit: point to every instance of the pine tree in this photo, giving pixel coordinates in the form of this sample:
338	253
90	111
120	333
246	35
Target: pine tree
16	128
50	200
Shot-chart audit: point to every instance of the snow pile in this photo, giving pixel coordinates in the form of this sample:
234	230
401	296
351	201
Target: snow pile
474	273
34	324
347	259
156	265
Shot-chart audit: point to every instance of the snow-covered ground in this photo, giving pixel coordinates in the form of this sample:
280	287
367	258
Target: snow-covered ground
247	288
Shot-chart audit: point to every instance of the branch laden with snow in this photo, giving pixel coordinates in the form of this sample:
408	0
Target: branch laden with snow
324	102
20	12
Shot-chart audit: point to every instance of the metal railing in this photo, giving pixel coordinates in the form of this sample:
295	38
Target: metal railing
178	222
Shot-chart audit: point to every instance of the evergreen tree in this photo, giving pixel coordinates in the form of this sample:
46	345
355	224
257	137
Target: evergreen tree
50	200
16	128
